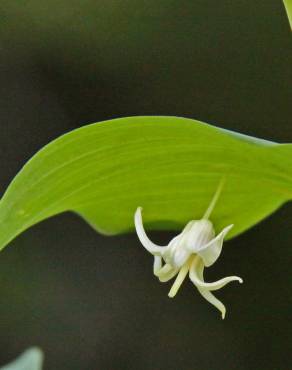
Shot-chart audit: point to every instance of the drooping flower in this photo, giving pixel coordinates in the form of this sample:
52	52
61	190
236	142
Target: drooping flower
189	252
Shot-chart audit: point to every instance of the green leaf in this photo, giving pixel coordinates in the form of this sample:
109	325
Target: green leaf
31	359
288	6
170	166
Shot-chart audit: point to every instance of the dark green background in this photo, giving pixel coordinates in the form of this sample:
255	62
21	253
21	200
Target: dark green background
91	302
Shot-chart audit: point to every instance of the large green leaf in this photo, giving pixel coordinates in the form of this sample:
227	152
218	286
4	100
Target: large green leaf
31	359
170	166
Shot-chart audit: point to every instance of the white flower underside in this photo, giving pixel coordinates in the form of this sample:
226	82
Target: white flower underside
188	253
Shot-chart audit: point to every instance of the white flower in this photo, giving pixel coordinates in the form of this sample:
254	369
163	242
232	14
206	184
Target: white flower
188	253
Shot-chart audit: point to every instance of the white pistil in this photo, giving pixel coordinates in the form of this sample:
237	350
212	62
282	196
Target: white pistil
179	279
193	249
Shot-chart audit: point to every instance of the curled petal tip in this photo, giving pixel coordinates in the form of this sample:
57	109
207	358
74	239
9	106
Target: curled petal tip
236	278
138	212
222	309
227	229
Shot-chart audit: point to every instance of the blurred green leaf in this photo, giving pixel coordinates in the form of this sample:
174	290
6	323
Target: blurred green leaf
31	359
168	165
288	6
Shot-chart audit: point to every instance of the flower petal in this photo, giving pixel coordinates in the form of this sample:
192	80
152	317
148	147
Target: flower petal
157	264
164	270
196	276
211	251
206	293
213	300
168	276
164	273
146	242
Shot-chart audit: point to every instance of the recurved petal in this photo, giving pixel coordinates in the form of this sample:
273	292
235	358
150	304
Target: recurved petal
164	273
213	300
206	293
211	251
196	276
157	264
163	270
168	276
146	242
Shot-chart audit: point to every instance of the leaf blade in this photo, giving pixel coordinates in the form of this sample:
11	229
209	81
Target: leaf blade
171	166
